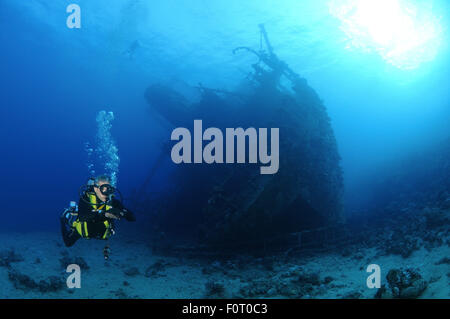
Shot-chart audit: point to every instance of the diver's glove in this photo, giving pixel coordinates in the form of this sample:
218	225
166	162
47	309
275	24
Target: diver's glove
129	216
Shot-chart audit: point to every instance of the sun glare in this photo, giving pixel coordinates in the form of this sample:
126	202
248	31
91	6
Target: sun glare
403	34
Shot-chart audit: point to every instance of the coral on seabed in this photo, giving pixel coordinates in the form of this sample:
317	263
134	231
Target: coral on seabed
25	282
214	289
403	283
9	256
66	260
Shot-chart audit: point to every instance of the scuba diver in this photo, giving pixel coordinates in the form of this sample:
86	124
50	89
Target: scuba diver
130	52
95	214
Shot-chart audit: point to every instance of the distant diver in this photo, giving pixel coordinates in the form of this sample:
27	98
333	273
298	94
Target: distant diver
95	214
130	52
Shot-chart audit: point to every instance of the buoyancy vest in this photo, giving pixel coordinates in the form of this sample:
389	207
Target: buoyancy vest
82	227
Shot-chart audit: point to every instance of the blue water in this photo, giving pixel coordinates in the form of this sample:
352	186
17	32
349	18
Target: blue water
55	80
73	105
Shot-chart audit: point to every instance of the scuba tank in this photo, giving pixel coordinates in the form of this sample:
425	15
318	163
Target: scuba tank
71	213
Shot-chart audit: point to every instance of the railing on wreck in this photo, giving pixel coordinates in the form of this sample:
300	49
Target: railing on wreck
316	240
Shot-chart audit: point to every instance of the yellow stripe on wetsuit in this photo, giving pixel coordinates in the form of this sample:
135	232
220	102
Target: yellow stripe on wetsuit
82	228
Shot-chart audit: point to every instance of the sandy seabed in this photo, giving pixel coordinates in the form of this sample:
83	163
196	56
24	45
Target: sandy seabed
134	271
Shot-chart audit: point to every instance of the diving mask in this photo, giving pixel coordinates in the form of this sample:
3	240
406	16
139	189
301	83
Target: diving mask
106	189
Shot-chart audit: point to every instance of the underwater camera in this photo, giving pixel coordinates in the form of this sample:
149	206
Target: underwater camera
71	213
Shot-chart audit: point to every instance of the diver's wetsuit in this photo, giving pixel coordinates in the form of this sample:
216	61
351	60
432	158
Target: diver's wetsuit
94	219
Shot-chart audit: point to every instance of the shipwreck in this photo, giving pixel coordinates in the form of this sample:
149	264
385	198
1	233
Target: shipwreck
224	205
